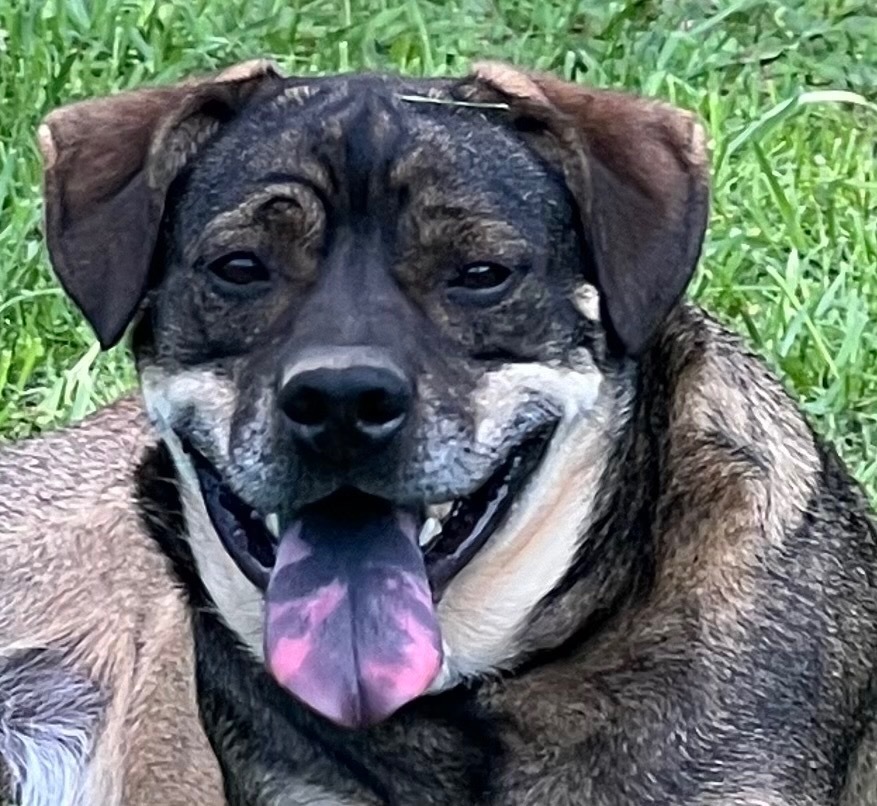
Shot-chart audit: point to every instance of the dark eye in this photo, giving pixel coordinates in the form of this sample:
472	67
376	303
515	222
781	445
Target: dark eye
481	276
480	282
239	269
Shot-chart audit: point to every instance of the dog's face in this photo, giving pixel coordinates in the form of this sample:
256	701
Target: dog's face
349	271
386	334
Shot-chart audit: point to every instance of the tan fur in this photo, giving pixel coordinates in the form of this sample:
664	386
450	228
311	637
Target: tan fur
80	576
738	515
485	607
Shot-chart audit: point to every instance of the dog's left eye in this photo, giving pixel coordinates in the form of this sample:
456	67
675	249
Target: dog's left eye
239	269
480	281
481	276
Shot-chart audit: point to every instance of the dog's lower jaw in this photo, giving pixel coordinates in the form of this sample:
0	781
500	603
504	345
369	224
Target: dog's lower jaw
235	599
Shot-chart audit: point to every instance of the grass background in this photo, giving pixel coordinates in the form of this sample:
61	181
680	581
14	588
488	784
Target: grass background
786	89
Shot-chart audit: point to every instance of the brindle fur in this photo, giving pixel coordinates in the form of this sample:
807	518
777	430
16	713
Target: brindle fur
707	634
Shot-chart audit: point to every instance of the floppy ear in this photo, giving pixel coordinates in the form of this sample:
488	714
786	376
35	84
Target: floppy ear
108	164
638	169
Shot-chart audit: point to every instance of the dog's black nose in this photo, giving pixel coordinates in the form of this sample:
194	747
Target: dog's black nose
342	412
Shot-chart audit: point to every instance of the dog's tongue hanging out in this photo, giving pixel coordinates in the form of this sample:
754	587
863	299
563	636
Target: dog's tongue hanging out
351	629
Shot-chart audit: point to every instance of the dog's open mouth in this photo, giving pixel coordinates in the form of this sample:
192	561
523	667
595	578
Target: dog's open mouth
351	583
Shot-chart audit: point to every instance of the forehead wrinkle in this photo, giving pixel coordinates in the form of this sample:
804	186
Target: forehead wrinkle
357	140
479	215
242	215
295	166
473	212
348	136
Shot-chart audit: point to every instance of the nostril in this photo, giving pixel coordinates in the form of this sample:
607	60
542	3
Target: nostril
336	410
307	406
378	407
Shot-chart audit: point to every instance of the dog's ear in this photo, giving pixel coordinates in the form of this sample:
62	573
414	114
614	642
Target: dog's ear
108	164
639	172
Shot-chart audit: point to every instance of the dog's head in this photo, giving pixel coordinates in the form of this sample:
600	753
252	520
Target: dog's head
384	326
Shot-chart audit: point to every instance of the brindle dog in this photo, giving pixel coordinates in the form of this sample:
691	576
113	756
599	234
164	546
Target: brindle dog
468	506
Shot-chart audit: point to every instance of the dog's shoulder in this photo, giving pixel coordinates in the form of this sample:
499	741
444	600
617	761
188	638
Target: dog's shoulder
96	650
73	469
724	406
733	432
758	514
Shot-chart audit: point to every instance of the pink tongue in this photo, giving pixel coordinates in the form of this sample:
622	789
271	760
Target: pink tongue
350	626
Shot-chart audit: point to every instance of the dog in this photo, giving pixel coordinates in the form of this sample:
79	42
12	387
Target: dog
468	504
98	701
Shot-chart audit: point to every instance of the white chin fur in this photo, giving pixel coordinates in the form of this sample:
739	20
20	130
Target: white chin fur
237	600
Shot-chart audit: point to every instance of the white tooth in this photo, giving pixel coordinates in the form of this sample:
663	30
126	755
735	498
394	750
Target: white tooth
440	511
432	528
273	524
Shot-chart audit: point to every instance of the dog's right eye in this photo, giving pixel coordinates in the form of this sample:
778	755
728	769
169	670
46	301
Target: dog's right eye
239	269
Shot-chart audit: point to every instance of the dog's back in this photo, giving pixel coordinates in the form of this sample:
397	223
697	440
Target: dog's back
96	657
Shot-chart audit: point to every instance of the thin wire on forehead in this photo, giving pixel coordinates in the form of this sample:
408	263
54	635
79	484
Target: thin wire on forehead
424	99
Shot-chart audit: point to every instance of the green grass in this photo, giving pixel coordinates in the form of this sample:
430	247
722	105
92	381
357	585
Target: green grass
787	91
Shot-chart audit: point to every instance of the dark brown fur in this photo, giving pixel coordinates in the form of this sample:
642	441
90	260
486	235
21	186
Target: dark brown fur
728	658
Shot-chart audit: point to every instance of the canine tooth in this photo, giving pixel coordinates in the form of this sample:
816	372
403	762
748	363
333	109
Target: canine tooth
273	524
440	511
432	528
